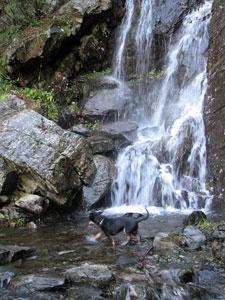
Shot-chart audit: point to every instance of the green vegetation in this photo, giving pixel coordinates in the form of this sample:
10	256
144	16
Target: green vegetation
45	100
95	74
6	84
157	74
19	222
16	15
73	108
91	126
48	107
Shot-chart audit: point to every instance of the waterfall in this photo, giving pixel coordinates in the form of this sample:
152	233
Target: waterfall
166	167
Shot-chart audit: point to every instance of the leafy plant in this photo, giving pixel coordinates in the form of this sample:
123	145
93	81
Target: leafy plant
90	125
96	74
6	84
157	74
48	107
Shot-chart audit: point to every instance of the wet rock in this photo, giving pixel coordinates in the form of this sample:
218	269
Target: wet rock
38	283
121	133
57	160
93	196
33	203
206	277
12	253
5	278
80	129
84	292
14	212
101	144
194	218
31	225
166	241
106	104
97	274
197	237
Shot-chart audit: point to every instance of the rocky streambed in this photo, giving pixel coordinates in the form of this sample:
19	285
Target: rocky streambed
62	261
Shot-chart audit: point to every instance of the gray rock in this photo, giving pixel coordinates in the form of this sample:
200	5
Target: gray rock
106	104
58	160
14	102
5	278
80	129
101	144
166	241
121	133
33	203
93	195
197	237
12	253
38	283
98	274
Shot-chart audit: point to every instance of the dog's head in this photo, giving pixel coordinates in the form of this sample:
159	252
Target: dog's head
94	218
91	219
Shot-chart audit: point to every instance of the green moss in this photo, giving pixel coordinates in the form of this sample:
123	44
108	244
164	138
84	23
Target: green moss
95	74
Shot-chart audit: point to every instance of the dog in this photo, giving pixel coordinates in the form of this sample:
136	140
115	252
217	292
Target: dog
112	226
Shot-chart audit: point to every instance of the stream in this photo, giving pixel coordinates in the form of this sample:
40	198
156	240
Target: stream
65	245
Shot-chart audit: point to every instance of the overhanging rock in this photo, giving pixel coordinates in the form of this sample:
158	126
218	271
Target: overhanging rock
59	161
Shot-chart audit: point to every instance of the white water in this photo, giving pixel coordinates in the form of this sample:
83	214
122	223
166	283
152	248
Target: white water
165	168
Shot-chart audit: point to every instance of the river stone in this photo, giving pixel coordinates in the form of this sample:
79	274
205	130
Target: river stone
93	195
197	237
98	274
12	253
38	283
166	241
58	160
33	203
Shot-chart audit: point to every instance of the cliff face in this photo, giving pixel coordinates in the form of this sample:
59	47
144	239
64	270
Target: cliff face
215	106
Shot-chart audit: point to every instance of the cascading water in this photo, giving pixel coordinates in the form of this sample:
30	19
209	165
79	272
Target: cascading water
166	166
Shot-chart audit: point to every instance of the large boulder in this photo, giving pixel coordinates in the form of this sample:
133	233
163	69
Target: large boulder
57	160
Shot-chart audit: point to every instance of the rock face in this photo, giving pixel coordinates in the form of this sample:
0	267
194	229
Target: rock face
214	106
57	160
75	37
93	196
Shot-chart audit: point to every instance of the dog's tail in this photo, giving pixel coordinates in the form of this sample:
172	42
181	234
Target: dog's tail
144	217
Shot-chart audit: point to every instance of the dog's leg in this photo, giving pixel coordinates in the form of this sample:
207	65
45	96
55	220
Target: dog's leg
111	239
138	238
98	235
127	241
